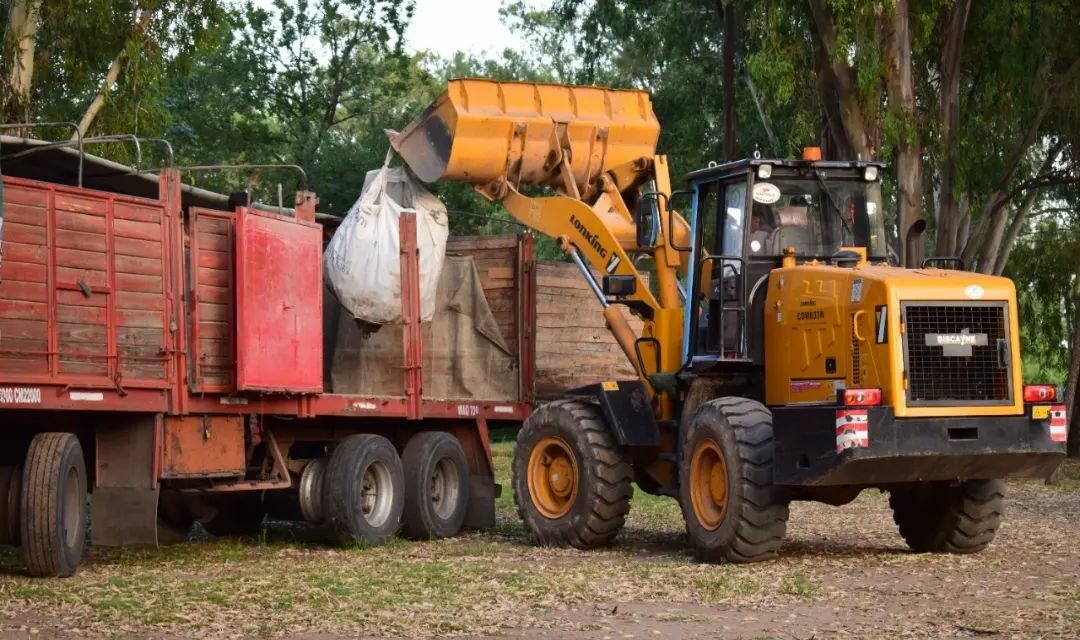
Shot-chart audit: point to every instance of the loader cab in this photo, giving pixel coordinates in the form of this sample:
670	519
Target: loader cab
744	216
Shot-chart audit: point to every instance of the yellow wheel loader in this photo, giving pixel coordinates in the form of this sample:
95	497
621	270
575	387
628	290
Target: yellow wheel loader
780	357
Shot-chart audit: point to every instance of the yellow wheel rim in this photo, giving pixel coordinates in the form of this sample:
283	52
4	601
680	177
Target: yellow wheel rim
708	484
553	477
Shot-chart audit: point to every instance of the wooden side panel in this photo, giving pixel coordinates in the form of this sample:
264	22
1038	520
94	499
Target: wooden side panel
24	298
139	249
83	287
573	344
212	269
82	282
496	259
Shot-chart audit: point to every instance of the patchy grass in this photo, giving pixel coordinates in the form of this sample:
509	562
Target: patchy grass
798	585
496	583
1070	477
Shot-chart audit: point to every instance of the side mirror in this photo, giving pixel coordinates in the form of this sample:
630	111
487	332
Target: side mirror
646	219
681	193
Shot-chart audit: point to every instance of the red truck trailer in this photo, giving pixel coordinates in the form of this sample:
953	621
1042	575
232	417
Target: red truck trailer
164	354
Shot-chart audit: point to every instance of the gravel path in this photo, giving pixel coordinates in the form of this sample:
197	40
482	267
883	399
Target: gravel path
844	572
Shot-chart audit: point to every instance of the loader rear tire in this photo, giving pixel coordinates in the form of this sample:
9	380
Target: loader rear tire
571	480
53	530
949	518
732	509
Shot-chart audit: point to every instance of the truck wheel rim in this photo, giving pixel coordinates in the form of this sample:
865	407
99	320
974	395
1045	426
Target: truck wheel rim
444	488
72	513
708	484
553	477
377	494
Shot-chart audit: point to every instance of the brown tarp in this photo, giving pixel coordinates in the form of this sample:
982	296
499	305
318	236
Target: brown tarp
464	354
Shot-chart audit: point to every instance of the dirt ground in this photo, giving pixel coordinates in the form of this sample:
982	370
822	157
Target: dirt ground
844	572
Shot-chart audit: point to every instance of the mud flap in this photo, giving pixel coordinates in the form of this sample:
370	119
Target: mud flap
480	512
125	498
124	516
626	408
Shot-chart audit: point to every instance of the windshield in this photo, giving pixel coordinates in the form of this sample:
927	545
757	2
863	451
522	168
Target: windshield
817	217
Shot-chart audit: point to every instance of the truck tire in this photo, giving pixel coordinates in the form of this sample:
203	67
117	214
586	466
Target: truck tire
10	496
436	486
732	509
175	520
944	518
364	490
239	514
571	480
54	509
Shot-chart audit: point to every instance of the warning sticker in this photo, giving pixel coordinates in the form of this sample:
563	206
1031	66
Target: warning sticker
766	193
1059	426
852	429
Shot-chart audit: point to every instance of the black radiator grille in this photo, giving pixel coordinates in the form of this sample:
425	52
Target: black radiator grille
966	359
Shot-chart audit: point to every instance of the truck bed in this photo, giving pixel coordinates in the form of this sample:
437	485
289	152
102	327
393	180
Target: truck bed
123	303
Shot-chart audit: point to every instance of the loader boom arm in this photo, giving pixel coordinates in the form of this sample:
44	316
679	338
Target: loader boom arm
596	149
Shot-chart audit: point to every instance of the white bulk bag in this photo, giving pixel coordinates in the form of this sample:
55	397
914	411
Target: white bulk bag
362	262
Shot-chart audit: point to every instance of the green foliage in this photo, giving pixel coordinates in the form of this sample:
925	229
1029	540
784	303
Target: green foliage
316	83
77	40
1046	268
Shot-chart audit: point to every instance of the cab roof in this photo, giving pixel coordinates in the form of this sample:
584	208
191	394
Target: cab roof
736	167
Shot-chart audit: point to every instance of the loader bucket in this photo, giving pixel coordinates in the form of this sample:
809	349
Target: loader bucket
481	130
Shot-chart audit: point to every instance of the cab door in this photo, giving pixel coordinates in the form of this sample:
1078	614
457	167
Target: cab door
716	315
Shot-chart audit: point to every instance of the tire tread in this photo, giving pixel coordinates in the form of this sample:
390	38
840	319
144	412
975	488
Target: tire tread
938	518
608	483
762	514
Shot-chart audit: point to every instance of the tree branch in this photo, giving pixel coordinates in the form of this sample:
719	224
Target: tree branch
112	74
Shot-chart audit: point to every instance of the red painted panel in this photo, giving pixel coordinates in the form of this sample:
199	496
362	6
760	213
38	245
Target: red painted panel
82	303
278	303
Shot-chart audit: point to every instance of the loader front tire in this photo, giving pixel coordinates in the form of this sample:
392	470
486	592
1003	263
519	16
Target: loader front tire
571	480
949	518
732	509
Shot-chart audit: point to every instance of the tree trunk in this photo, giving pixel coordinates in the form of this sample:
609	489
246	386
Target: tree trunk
998	198
899	84
994	235
998	243
1009	241
836	84
112	75
1072	391
963	227
728	11
22	28
949	101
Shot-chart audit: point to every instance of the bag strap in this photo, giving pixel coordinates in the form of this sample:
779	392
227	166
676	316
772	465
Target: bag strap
378	186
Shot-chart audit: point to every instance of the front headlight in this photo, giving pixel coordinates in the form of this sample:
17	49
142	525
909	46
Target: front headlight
764	172
870	174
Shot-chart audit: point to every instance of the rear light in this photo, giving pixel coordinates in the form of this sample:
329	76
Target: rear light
862	397
1039	393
